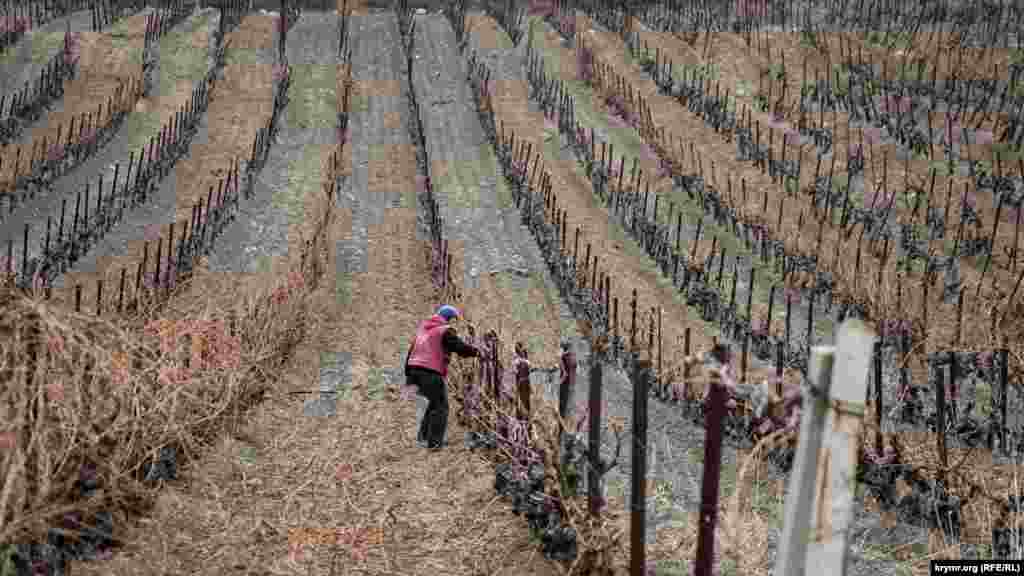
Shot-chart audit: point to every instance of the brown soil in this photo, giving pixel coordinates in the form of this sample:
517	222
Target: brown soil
884	299
736	63
240	104
777	47
369	88
102	67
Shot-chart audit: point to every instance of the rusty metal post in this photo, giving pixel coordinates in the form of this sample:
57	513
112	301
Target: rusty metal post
940	421
567	385
522	385
587	264
632	327
638	524
709	484
615	318
1004	363
576	250
779	365
607	298
596	499
120	295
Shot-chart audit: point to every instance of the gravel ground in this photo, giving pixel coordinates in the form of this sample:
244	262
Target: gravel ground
261	229
144	222
23	67
472	211
378	62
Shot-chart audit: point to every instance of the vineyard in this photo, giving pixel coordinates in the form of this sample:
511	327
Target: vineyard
716	257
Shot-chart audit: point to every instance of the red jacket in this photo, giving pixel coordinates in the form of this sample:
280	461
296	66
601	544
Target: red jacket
435	340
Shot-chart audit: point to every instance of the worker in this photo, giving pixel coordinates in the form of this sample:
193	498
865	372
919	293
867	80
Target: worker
426	367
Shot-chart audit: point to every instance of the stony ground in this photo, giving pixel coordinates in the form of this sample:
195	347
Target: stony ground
144	222
22	62
293	170
149	221
462	168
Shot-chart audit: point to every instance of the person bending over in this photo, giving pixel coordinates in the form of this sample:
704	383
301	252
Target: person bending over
426	367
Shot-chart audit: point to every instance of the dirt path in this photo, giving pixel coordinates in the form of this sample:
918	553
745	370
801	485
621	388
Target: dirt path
463	168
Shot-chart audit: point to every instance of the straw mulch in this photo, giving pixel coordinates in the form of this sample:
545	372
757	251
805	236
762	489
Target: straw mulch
88	396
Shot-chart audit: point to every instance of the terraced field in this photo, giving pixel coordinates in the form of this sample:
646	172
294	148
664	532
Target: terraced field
221	231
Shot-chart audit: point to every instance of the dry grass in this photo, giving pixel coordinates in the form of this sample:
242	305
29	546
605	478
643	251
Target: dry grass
982	484
377	88
110	394
352	494
744	518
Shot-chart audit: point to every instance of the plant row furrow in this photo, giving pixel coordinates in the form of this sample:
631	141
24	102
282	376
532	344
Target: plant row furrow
29	104
656	238
440	258
812	262
21	17
47	161
73	233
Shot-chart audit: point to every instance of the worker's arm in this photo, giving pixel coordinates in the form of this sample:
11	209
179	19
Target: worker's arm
454	345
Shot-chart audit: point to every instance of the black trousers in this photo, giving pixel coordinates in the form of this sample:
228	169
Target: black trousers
435	420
